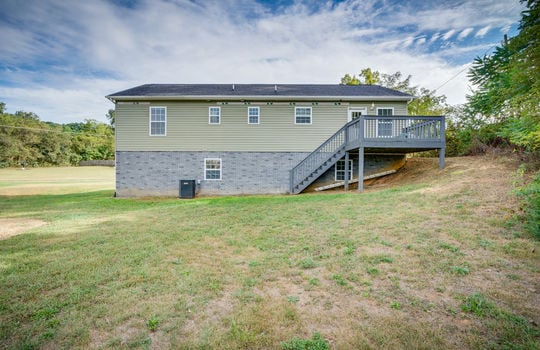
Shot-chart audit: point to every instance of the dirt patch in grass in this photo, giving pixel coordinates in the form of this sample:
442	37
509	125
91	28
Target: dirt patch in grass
17	226
457	172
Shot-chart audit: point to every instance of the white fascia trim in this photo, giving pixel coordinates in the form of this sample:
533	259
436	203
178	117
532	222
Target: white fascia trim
261	98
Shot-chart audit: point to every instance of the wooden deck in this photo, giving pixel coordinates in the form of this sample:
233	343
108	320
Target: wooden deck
393	134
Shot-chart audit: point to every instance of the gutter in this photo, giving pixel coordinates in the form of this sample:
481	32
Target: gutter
114	99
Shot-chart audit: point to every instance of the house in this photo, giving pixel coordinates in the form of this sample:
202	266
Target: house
262	138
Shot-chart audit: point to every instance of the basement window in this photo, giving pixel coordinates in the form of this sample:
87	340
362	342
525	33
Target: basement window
158	121
340	170
212	168
302	115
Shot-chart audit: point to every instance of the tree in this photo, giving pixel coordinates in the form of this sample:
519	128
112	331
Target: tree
94	141
350	80
366	76
25	140
507	99
397	82
508	84
370	77
111	117
427	102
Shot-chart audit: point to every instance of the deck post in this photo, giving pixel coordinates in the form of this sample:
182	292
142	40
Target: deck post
361	155
360	169
441	158
443	141
346	185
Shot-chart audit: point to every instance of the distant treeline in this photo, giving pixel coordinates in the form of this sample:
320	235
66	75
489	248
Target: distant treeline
27	141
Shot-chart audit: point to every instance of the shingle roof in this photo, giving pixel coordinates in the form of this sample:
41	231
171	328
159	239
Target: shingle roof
259	90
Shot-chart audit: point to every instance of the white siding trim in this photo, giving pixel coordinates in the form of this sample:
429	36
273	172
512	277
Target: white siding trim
205	169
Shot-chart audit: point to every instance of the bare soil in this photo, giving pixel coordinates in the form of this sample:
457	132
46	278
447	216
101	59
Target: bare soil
17	226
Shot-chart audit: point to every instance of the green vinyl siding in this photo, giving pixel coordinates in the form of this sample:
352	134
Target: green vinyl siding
400	108
188	128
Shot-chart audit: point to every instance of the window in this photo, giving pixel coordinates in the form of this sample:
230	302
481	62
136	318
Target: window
253	115
385	126
340	170
214	115
212	169
302	115
158	121
385	111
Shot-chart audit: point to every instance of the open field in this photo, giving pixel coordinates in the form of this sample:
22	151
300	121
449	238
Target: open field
424	259
59	180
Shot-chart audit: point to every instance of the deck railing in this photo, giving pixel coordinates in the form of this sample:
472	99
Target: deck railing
369	131
397	128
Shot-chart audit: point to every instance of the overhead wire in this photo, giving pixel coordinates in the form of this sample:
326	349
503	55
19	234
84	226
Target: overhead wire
468	65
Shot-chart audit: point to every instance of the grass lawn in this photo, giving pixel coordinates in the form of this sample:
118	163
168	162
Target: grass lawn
425	259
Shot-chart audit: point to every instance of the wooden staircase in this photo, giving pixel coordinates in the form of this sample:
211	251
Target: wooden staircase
320	160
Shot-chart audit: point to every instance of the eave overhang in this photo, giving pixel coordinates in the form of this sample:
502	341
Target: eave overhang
115	99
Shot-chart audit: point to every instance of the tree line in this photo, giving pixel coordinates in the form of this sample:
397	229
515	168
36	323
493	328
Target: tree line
27	141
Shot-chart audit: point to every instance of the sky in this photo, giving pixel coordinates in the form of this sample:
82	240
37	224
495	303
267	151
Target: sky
60	58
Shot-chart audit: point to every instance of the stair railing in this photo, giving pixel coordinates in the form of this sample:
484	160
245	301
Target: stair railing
333	145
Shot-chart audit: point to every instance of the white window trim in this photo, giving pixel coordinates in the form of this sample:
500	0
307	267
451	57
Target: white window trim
310	115
351	172
383	117
220	169
210	115
258	115
378	108
150	121
356	109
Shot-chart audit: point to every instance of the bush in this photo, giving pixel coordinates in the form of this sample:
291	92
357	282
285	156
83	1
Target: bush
531	195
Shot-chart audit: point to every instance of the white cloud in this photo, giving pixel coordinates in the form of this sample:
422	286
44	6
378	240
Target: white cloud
408	41
63	104
465	33
445	15
434	37
421	41
482	32
75	53
449	34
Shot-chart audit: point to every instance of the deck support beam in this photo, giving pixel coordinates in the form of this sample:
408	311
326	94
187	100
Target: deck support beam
441	158
346	185
360	169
